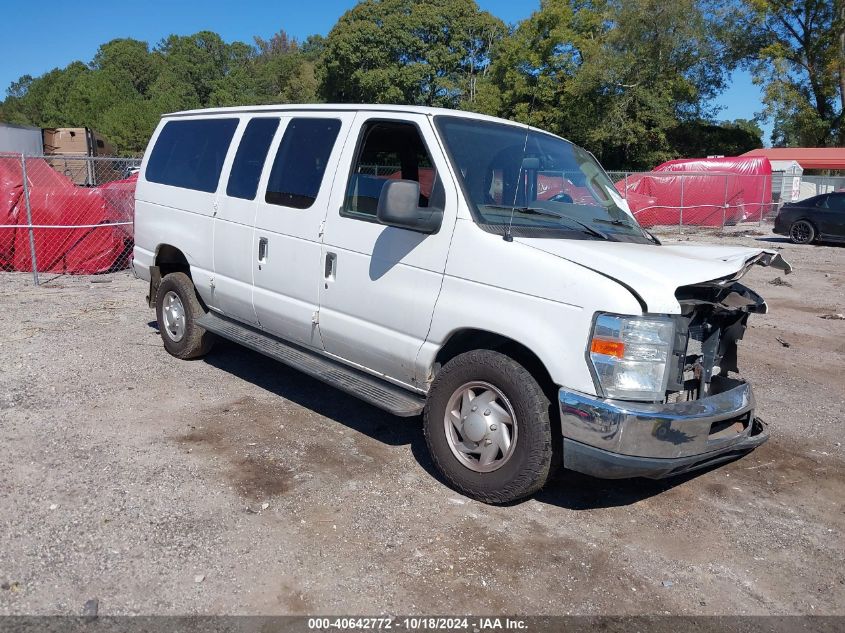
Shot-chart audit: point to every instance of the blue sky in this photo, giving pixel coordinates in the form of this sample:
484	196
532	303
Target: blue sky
53	33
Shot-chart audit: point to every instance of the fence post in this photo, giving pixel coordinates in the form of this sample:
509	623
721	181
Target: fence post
681	218
763	203
33	257
725	203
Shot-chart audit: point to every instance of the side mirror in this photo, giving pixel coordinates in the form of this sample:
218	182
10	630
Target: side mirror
398	205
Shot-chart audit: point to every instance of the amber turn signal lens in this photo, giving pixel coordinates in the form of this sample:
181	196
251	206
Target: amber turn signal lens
608	348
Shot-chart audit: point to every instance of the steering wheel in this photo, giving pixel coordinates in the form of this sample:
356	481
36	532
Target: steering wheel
562	197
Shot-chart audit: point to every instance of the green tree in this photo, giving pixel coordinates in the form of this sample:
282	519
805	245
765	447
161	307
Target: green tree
697	139
56	111
24	103
129	124
198	60
276	70
427	52
796	51
614	76
126	87
129	59
93	93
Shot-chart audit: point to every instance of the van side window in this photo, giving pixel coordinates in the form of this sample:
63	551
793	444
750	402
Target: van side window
249	161
388	150
190	154
301	162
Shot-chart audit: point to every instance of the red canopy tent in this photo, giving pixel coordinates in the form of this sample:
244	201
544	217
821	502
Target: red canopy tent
700	191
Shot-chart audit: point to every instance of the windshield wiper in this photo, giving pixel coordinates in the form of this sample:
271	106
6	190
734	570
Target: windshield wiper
618	222
551	214
614	222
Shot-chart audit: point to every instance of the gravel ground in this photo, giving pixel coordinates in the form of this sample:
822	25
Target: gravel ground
235	485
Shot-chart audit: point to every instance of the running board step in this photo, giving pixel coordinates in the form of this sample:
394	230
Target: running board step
368	388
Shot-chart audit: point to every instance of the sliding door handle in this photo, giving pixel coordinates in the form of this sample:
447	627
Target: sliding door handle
331	266
262	249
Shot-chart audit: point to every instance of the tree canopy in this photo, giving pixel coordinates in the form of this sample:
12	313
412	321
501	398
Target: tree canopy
797	53
634	81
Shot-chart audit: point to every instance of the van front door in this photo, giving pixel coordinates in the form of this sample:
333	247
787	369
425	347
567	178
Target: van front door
379	283
291	208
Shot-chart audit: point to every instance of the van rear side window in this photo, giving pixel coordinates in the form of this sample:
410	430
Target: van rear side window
190	154
249	161
301	162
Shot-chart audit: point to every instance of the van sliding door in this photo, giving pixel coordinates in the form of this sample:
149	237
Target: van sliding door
234	218
291	208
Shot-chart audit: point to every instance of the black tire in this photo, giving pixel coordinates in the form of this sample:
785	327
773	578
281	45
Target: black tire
194	340
802	232
529	465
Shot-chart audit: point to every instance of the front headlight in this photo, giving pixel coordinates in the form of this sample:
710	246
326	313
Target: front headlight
630	355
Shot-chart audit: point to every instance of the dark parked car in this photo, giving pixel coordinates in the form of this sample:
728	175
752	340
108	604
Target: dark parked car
819	218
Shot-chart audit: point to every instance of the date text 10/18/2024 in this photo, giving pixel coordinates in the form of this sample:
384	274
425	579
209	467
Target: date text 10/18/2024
419	623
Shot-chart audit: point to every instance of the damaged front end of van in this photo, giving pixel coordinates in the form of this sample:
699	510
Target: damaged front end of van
671	397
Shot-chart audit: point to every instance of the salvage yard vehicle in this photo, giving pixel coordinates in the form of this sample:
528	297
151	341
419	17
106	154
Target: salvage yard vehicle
480	272
820	218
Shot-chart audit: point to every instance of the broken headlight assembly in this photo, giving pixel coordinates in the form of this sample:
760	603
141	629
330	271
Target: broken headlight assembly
630	355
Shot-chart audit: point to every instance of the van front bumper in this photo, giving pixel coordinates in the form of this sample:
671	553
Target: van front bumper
614	439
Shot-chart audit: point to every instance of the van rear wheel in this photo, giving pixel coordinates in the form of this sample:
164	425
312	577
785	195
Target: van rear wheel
487	427
177	311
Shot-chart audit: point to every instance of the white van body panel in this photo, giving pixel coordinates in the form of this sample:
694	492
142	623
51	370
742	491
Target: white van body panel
234	221
544	303
653	272
179	217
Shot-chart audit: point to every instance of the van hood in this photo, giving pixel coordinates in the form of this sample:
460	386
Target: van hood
654	272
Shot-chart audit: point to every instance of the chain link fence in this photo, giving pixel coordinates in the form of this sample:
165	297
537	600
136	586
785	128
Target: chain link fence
66	214
70	214
667	201
816	185
687	201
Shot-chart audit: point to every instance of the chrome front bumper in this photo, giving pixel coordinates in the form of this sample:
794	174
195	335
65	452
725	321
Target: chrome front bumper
615	439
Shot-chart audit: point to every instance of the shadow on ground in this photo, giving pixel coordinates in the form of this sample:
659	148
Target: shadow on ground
775	240
566	489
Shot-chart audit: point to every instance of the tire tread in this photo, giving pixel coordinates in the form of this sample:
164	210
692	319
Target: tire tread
529	480
197	341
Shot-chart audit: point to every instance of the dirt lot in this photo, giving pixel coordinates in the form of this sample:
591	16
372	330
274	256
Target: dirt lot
235	485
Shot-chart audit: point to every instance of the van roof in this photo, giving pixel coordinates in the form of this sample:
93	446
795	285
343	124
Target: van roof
346	107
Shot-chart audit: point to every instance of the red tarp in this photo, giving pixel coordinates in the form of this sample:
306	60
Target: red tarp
56	201
712	191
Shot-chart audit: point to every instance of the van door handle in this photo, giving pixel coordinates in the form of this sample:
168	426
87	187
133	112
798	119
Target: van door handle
262	249
331	266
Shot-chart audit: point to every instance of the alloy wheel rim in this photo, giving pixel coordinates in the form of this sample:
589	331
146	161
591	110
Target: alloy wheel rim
481	426
173	315
800	232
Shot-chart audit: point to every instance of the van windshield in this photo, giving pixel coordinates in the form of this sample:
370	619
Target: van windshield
547	185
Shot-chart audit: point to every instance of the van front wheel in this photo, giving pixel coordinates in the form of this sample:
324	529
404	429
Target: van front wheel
488	428
177	311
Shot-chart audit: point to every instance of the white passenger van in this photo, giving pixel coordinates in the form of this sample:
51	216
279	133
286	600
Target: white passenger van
479	272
